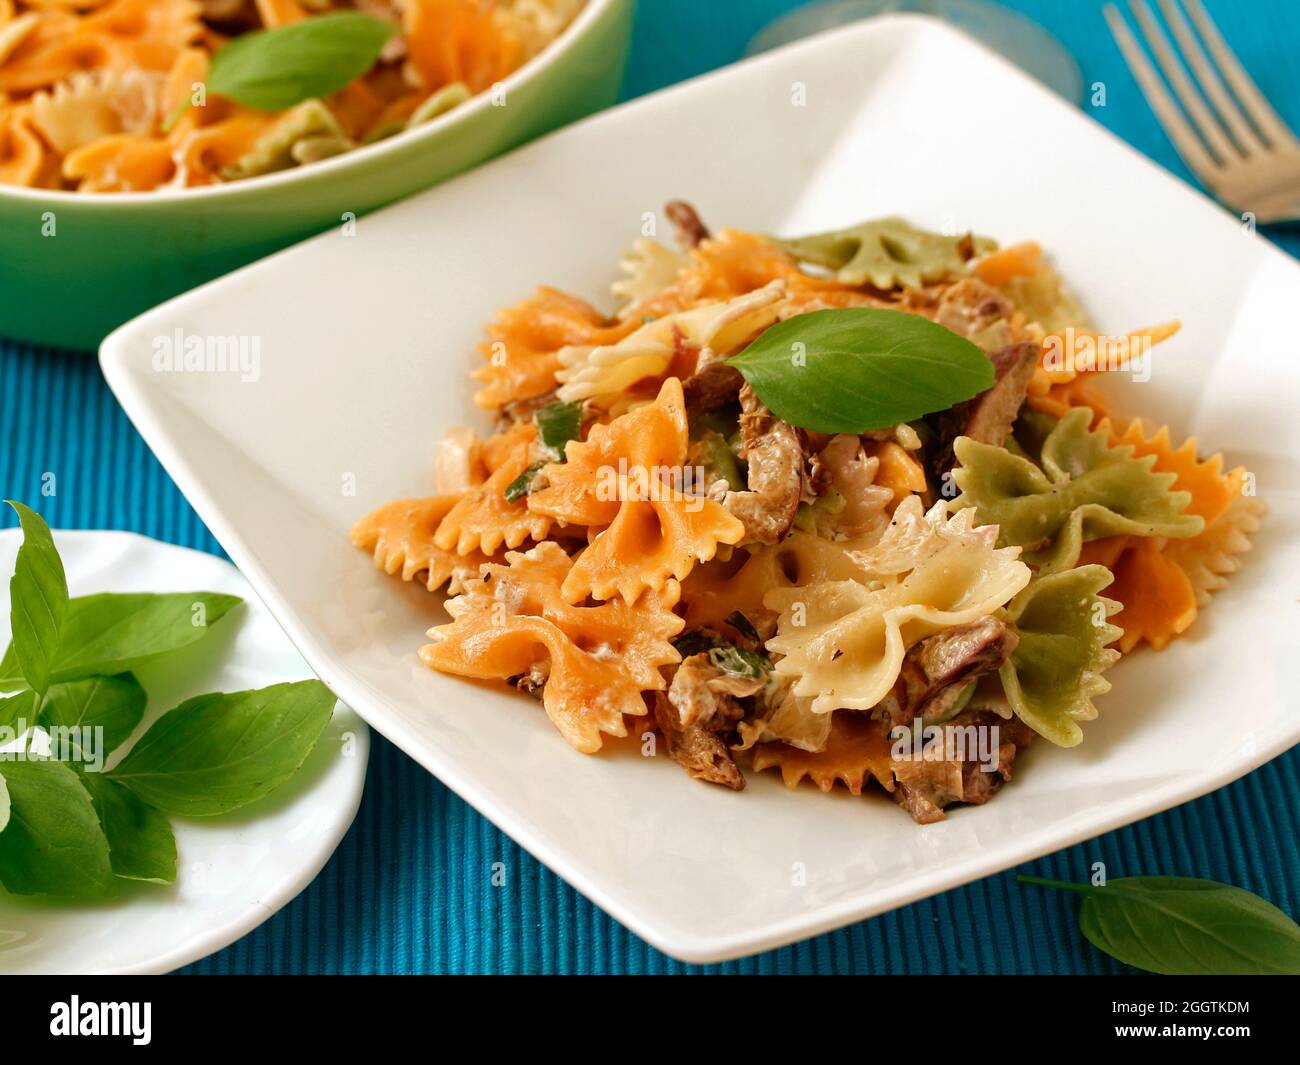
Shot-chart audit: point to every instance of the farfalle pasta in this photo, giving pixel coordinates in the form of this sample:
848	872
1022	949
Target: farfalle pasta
108	95
685	519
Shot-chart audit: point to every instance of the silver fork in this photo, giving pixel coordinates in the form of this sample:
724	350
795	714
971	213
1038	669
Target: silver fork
1239	148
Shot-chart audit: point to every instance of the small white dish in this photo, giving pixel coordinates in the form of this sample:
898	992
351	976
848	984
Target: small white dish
233	872
366	346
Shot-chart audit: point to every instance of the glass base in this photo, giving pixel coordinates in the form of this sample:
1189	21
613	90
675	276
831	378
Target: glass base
1020	40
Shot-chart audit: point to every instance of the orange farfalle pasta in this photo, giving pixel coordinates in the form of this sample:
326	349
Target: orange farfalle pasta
280	12
1004	265
1158	600
400	537
718	589
1211	489
483	519
899	471
857	751
1158	594
1063	352
523	344
630	475
22	153
119	36
1059	399
458	40
595	660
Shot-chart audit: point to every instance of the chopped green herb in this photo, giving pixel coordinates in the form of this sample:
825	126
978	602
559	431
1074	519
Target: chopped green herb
743	625
697	641
557	424
523	484
739	663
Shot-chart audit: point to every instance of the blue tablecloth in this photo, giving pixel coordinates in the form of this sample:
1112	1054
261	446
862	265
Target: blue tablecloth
409	890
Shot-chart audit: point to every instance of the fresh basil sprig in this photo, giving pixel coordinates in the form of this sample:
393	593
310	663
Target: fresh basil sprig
112	633
38	593
270	70
860	368
140	841
1182	926
69	831
53	843
216	753
114	704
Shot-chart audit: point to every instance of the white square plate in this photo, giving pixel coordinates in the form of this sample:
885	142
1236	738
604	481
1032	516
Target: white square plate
367	340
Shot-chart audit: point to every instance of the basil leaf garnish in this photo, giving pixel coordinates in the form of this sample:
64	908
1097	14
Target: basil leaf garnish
855	369
218	752
38	593
1182	926
53	843
270	70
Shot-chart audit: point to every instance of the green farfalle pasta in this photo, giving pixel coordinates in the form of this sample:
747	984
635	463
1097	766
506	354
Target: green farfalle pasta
310	121
1055	671
887	252
439	103
1082	489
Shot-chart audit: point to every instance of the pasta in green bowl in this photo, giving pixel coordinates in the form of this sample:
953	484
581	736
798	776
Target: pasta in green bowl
148	147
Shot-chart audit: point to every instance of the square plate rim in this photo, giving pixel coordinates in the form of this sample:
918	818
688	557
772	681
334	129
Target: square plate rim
373	706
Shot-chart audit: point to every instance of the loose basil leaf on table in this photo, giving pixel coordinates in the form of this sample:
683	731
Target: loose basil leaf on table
140	840
53	843
1183	926
216	753
115	704
860	368
113	633
38	593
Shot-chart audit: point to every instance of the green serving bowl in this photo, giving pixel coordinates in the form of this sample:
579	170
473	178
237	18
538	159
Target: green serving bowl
74	266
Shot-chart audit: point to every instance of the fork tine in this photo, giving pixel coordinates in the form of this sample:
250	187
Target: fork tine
1252	102
1166	111
1242	132
1202	119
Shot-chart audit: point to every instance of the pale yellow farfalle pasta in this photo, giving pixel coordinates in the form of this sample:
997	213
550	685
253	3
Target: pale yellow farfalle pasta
94	104
603	373
648	268
843	642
